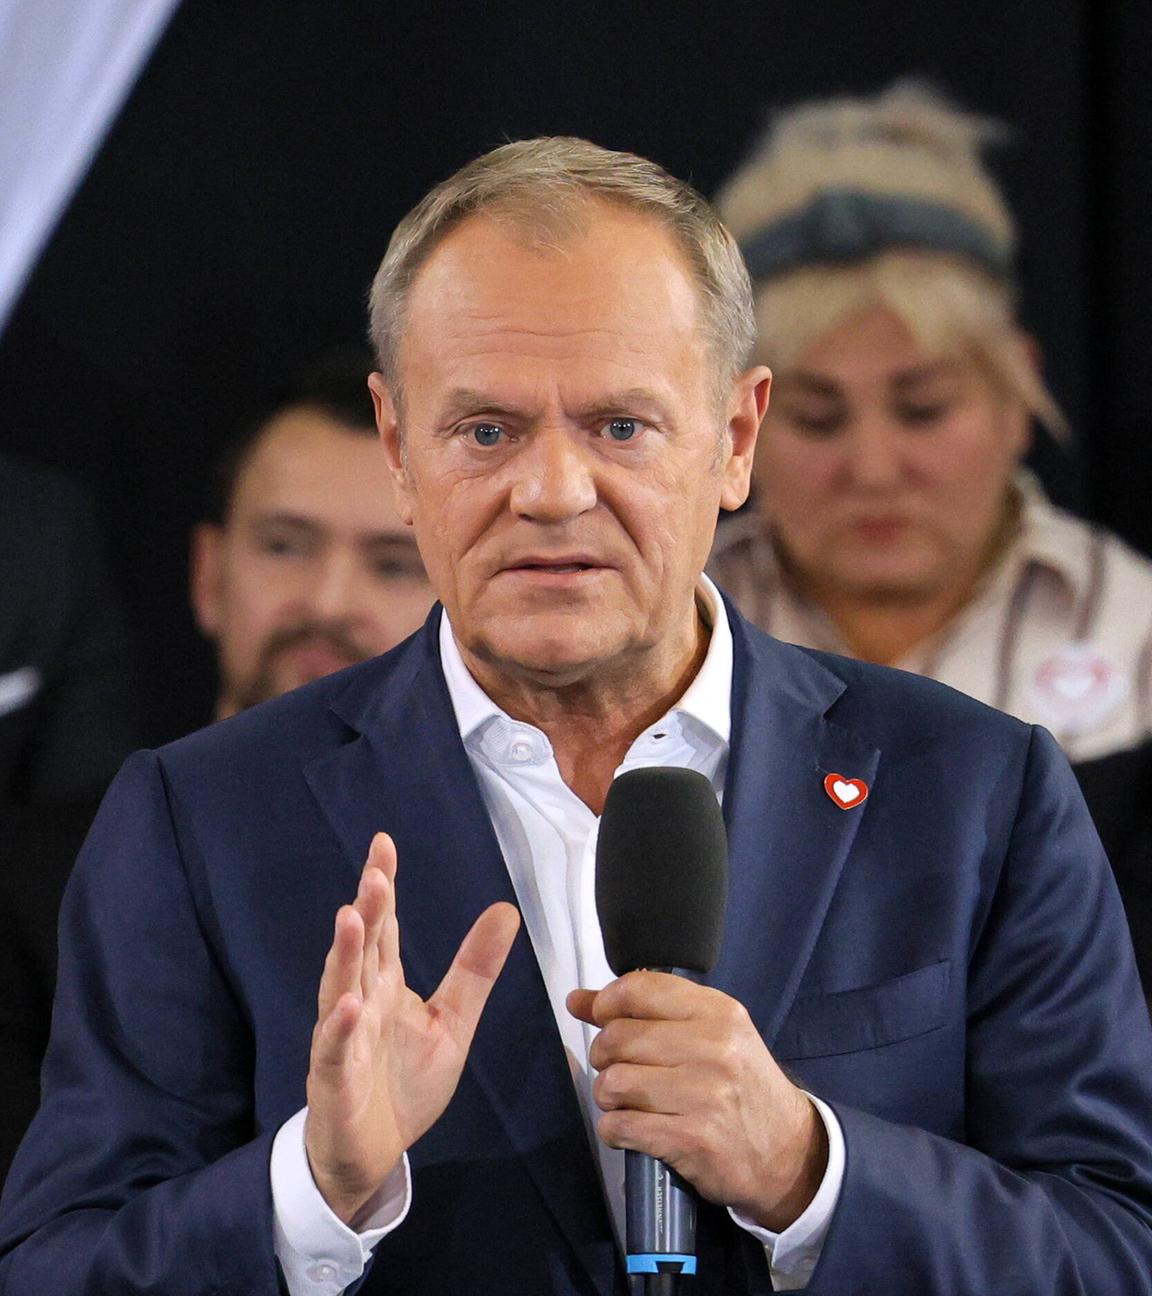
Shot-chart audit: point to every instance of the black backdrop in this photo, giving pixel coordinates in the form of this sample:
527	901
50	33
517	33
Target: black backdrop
230	224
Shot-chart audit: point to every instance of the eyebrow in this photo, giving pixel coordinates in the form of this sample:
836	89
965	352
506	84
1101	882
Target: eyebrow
922	373
902	381
814	382
467	400
388	539
374	539
284	519
621	402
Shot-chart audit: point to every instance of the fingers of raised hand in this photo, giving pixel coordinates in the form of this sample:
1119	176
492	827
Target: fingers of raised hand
342	965
382	855
375	902
333	1033
385	955
462	994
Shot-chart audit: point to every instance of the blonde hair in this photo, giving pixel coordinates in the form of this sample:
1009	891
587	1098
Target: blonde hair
906	144
544	188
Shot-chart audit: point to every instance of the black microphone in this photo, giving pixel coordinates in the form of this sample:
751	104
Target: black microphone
661	891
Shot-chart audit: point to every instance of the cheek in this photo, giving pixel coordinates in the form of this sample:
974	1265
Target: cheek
450	514
257	599
405	605
436	541
664	512
794	477
968	471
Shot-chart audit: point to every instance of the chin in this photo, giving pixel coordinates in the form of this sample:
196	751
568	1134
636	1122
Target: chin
889	584
908	572
563	656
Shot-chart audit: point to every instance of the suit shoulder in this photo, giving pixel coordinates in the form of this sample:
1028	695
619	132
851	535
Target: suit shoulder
293	727
881	700
894	700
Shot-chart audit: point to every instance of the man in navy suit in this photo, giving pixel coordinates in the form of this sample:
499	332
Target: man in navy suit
922	1064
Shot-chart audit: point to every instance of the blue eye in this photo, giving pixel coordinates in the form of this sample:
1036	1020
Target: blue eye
486	434
623	429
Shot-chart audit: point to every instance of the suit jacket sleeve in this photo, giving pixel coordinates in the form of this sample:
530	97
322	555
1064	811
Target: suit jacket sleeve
143	1171
1048	1190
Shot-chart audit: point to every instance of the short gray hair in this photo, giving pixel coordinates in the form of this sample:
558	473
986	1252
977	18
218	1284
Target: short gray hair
543	186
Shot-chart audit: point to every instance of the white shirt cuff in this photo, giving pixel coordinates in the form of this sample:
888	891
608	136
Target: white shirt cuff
793	1254
318	1253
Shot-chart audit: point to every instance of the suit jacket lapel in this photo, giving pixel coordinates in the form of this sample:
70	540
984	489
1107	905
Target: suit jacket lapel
407	773
405	770
787	839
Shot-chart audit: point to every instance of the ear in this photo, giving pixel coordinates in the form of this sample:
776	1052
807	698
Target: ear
205	576
746	409
388	426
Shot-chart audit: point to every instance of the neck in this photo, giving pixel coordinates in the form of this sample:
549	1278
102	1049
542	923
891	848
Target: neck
226	706
592	722
885	632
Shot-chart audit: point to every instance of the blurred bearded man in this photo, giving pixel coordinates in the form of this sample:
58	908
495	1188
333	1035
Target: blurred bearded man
306	566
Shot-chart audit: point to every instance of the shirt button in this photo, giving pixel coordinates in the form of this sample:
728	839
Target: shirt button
323	1272
521	751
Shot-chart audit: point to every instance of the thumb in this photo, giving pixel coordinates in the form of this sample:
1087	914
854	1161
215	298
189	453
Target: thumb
580	1004
461	996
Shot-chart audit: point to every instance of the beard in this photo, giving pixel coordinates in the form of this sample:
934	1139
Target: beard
268	678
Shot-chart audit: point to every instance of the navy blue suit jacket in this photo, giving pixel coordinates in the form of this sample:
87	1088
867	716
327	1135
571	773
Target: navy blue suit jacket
946	964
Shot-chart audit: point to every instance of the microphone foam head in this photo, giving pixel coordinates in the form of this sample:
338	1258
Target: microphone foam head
661	871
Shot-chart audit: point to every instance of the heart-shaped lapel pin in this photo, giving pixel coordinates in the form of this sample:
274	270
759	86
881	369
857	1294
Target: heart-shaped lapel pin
847	793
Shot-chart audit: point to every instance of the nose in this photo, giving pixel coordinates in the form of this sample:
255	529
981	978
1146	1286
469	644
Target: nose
875	453
555	477
335	592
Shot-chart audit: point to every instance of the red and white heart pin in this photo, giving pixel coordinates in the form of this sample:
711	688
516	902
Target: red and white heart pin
847	793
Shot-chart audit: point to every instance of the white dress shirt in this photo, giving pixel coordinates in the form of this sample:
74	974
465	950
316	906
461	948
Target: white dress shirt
548	839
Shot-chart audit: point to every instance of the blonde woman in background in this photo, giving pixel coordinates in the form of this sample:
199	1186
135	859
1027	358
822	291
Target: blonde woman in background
894	521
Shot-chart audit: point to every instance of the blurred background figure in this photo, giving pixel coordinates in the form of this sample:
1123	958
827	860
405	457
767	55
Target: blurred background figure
893	520
67	719
67	700
306	566
304	569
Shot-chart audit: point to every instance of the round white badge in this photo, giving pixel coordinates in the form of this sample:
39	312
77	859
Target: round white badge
1076	689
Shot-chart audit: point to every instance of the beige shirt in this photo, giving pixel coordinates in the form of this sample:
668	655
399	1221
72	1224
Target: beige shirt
1059	632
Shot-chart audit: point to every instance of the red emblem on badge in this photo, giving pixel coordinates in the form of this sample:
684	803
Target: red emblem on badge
847	793
1077	689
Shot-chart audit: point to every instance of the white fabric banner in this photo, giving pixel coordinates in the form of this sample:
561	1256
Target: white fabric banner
66	67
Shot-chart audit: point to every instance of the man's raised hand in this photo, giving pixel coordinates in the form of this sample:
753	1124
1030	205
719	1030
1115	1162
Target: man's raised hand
384	1062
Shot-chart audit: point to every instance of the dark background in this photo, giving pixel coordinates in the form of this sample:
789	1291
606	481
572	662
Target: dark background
228	228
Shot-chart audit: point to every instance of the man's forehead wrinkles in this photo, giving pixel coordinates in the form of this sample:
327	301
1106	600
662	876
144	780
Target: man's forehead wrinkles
496	327
576	398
